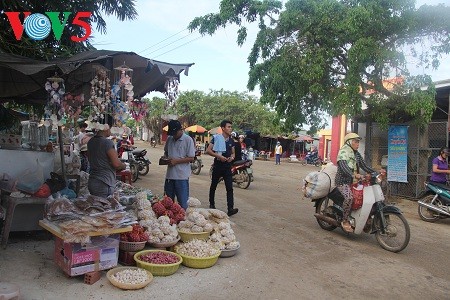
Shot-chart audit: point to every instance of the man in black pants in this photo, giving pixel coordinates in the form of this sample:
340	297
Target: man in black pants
221	148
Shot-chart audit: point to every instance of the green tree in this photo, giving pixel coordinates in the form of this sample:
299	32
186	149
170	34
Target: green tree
246	113
50	48
153	120
315	56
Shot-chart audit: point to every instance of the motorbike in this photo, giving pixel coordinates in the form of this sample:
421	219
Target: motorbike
197	164
312	159
375	217
128	157
435	204
153	143
242	173
143	162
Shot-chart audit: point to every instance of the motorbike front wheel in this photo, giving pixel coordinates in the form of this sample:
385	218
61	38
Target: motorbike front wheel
134	172
196	167
246	182
304	162
394	234
324	207
318	163
427	214
143	168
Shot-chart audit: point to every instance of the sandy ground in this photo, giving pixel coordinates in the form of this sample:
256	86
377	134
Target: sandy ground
284	253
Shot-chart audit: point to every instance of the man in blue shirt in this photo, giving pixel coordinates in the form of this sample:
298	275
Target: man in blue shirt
223	158
180	151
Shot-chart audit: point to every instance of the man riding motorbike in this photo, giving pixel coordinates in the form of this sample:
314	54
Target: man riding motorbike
349	161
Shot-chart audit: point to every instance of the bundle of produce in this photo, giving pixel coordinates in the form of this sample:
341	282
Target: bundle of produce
197	248
195	222
224	237
136	235
193	203
161	231
167	207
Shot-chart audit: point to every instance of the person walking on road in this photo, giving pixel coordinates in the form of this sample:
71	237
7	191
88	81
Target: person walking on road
278	152
221	148
180	151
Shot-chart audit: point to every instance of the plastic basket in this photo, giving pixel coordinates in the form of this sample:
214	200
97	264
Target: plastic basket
158	269
199	262
165	244
189	236
229	252
132	246
127	286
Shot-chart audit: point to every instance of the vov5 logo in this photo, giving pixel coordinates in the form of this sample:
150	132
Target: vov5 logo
38	26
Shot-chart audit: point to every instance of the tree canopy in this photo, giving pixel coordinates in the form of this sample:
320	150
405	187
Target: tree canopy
50	47
209	109
316	56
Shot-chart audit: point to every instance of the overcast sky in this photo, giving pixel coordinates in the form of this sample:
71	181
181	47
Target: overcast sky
159	33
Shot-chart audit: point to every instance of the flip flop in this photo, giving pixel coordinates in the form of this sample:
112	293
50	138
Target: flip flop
347	227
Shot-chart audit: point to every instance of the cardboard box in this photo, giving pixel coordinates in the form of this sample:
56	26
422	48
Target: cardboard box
77	259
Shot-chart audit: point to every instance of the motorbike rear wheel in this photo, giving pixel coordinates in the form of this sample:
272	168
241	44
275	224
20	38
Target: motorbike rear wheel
196	167
427	214
134	172
323	207
396	233
143	168
246	183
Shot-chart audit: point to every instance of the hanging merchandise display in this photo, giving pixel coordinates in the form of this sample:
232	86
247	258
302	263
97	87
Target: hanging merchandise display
72	106
122	93
138	109
100	94
171	92
56	90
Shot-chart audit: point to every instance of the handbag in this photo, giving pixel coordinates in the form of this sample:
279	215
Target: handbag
358	195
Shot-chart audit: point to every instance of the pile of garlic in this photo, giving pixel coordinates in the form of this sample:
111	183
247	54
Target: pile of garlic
160	230
223	237
195	222
197	248
131	276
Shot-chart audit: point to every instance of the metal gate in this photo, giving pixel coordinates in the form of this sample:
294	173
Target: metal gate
423	145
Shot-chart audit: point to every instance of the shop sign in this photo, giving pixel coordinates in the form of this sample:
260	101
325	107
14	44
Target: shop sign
38	26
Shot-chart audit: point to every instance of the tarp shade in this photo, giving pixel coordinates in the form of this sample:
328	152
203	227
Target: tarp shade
22	79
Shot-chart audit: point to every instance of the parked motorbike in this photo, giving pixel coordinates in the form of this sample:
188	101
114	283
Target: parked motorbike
153	143
143	162
242	173
128	157
435	204
375	217
312	159
197	164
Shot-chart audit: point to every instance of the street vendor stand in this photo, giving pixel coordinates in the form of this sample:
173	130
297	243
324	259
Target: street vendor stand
80	258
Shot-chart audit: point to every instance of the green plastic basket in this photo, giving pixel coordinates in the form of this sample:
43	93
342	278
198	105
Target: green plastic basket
158	269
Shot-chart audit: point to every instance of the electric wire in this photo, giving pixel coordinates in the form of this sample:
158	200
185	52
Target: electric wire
199	37
162	40
169	44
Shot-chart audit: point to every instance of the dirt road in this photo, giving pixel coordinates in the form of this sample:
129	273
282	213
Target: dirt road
284	253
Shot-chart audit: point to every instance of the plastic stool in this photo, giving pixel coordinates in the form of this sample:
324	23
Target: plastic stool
9	291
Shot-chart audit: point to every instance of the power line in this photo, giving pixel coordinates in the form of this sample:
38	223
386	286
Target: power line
169	43
162	41
199	37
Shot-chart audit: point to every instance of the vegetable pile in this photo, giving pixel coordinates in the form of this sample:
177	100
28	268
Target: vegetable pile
167	207
131	276
136	235
197	248
160	258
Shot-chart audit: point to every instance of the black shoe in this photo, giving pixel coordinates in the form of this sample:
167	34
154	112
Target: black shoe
232	211
212	206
